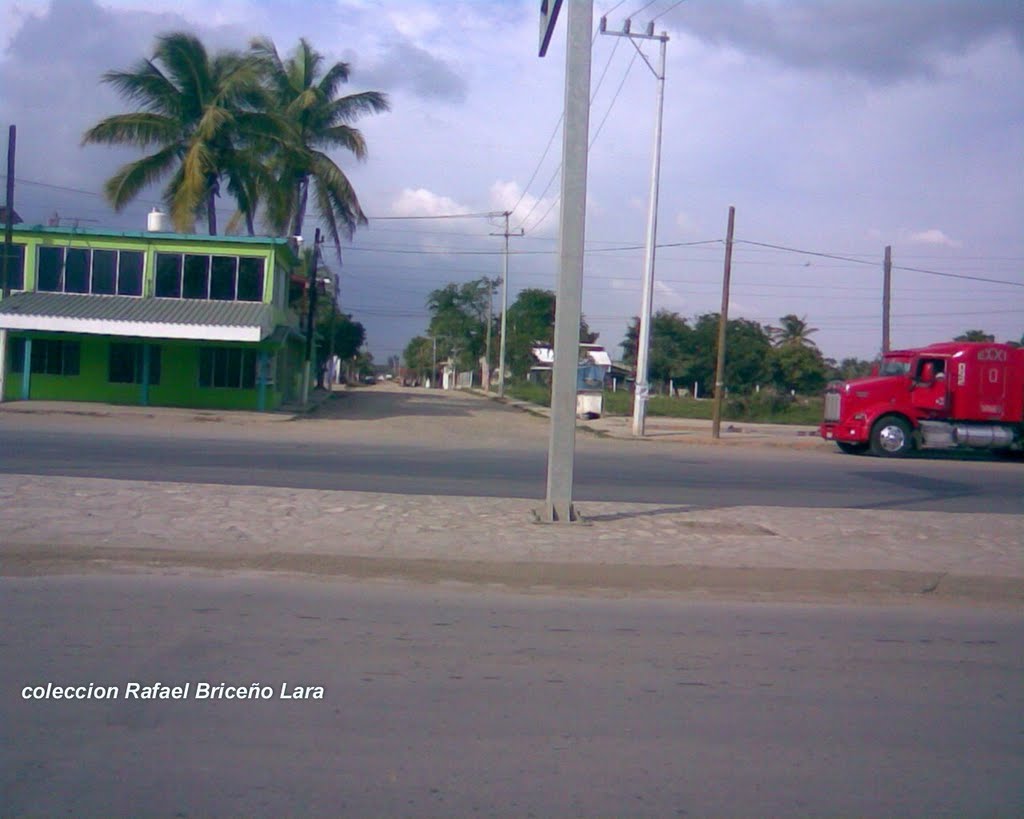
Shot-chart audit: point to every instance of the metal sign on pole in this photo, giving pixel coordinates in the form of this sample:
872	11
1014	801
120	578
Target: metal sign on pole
572	222
548	18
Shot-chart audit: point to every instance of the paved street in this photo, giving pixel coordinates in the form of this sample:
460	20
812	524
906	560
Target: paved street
419	442
441	701
861	656
75	522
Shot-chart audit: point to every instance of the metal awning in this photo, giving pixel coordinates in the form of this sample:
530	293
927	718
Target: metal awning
200	320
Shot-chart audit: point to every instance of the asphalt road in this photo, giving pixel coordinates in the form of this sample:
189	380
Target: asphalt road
441	702
462	445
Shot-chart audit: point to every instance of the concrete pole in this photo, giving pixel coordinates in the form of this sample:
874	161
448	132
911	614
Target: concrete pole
569	298
644	341
504	317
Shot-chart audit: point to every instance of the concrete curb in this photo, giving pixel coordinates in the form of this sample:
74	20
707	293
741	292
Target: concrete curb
618	580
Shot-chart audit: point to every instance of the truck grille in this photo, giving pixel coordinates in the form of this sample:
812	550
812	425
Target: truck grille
832	406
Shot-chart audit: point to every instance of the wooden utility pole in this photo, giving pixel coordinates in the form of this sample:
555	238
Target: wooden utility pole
886	297
723	324
8	248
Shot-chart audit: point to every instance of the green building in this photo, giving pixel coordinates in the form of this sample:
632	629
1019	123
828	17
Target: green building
151	318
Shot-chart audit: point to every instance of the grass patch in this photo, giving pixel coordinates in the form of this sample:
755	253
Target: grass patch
763	408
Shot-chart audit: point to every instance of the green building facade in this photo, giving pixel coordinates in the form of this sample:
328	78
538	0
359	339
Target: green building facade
151	318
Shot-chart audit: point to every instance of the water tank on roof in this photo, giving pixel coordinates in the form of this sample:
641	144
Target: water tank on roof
157	221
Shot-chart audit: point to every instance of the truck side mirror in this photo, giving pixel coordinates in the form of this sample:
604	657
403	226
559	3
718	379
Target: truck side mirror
927	375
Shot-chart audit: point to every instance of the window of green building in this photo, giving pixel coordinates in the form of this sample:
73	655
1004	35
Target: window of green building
199	276
84	270
126	361
227	367
49	356
15	266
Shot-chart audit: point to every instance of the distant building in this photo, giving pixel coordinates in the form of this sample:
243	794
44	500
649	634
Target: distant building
594	364
151	318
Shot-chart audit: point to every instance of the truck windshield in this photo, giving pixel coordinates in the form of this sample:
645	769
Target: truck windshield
894	366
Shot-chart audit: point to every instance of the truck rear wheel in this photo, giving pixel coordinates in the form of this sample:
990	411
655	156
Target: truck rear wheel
891	437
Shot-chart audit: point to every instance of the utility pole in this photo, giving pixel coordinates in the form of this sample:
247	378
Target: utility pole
642	389
310	317
723	324
558	506
5	282
886	297
504	308
487	347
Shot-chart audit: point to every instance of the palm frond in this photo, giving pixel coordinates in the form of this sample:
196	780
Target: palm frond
148	86
337	75
126	184
350	108
188	63
141	129
342	136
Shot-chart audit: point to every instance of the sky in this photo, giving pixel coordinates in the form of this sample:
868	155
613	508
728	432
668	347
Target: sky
834	127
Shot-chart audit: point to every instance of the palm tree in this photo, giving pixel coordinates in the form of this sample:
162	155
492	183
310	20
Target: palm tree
793	332
318	120
204	116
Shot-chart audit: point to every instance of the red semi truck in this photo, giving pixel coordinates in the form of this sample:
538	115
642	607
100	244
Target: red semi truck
944	396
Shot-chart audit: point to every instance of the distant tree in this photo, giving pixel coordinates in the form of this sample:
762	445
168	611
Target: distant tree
363	363
458	320
747	349
531	322
847	369
793	330
419	357
204	116
797	368
349	336
686	354
671	354
975	335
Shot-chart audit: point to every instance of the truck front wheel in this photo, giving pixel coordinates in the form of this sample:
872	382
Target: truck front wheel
891	437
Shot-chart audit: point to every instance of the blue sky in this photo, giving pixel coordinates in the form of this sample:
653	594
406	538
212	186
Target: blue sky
834	127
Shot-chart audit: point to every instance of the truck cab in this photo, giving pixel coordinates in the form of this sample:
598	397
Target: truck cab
956	394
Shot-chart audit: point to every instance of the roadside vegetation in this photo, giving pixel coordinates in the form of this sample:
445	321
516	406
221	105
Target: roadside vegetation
773	374
758	408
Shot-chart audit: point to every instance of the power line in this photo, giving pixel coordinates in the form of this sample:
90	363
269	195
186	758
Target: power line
873	264
481	215
642	9
666	11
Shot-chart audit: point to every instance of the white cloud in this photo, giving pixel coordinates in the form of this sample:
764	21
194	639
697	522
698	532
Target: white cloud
414	23
687	224
538	215
421	202
934	236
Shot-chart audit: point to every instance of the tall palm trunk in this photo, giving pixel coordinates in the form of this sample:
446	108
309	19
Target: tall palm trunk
211	208
301	198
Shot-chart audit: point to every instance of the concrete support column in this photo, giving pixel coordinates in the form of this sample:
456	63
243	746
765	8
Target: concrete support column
26	374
